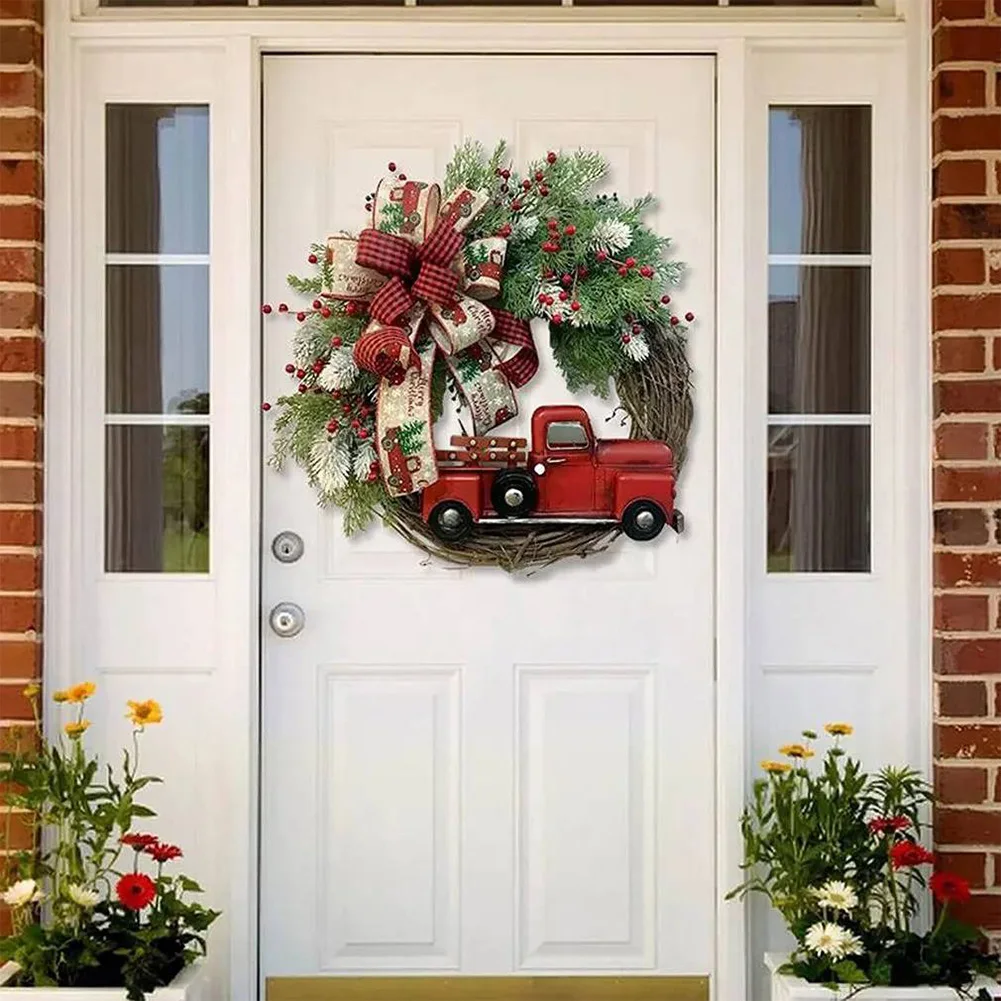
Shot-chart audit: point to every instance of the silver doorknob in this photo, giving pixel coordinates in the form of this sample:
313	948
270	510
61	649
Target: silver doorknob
287	619
287	547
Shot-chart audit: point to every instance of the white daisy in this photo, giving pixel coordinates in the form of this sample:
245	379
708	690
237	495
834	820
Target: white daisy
837	895
852	945
82	897
611	235
24	891
827	939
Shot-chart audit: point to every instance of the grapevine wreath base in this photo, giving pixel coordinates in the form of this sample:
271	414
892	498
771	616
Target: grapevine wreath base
399	326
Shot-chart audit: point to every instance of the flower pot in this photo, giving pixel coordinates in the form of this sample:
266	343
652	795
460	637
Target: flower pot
789	988
188	985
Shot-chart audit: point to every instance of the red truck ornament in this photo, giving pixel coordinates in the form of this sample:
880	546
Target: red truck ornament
568	476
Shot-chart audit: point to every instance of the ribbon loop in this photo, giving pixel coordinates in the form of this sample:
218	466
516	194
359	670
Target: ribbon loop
436	284
384	252
386	351
442	244
391	301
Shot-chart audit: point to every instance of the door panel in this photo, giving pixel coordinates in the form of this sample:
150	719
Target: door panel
465	771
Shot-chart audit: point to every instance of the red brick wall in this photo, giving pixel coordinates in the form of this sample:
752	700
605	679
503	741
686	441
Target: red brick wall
20	358
966	323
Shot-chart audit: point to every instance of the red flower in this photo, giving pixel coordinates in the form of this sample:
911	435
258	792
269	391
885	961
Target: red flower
880	825
164	853
136	891
140	842
948	887
907	853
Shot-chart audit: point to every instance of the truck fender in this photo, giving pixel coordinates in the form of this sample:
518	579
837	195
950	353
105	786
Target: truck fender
656	487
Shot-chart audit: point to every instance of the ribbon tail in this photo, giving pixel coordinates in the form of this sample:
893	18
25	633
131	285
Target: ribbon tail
524	363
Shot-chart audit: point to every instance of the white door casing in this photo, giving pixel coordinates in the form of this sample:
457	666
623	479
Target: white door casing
463	770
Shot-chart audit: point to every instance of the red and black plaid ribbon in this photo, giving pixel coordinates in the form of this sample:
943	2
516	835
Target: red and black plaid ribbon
522	365
391	301
385	252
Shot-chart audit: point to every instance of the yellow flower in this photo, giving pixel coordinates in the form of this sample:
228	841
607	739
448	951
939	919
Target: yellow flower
79	693
32	691
776	766
796	751
75	730
145	713
61	696
839	729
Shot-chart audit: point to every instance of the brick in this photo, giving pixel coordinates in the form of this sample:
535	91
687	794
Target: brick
959	265
979	484
20	572
961	527
18	737
967	397
20	134
959	89
13	704
967	312
21	222
978	221
19	614
967	827
976	43
957	10
997	442
20	354
20	527
21	264
20	659
962	612
958	133
20	485
20	398
961	441
22	10
18	311
975	655
21	177
960	354
967	569
17	832
972	866
20	89
19	44
962	698
981	911
20	442
958	785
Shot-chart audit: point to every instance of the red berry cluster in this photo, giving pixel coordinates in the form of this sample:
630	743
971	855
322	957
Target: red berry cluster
531	188
370	198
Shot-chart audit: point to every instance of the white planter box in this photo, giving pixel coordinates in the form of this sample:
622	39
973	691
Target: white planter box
788	988
188	985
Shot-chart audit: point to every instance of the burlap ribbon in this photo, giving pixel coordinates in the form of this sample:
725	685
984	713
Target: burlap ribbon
413	267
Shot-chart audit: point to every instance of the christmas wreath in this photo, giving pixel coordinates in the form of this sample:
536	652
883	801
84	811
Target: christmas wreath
398	327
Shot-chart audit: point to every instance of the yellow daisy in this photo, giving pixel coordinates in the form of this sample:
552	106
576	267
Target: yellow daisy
32	691
75	730
776	766
839	729
145	713
80	693
796	751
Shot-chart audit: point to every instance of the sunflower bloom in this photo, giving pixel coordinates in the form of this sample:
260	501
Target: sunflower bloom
80	693
776	767
839	729
78	729
145	713
796	751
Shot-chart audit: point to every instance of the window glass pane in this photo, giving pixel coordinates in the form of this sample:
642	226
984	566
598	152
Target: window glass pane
157	357
818	180
818	340
157	499
818	499
157	179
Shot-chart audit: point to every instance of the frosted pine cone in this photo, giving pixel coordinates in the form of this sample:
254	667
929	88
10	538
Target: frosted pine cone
611	235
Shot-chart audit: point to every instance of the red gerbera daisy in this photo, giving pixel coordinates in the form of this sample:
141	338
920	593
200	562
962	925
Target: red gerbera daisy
164	853
136	891
140	842
907	853
948	887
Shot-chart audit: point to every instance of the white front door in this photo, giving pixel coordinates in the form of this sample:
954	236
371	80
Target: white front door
462	770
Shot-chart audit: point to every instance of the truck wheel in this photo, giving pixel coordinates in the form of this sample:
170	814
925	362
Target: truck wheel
642	520
514	493
451	521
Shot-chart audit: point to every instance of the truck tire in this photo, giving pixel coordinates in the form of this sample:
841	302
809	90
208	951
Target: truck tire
514	493
451	521
643	520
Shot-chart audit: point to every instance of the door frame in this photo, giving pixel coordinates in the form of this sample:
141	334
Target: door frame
233	43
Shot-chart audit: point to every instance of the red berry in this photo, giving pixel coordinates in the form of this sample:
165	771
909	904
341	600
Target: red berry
311	258
365	411
582	272
549	300
317	304
646	271
630	262
543	190
602	255
265	407
689	317
300	317
325	312
548	273
335	342
300	372
392	167
570	230
575	305
374	465
336	394
351	308
290	368
516	205
553	224
265	308
637	329
665	299
551	157
318	366
623	271
282	308
505	173
373	475
674	321
557	318
362	433
539	175
302	387
526	184
543	297
567	280
626	338
402	177
356	423
345	408
505	230
564	295
332	426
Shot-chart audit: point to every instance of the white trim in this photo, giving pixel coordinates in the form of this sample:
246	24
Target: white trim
821	260
152	420
157	259
815	420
